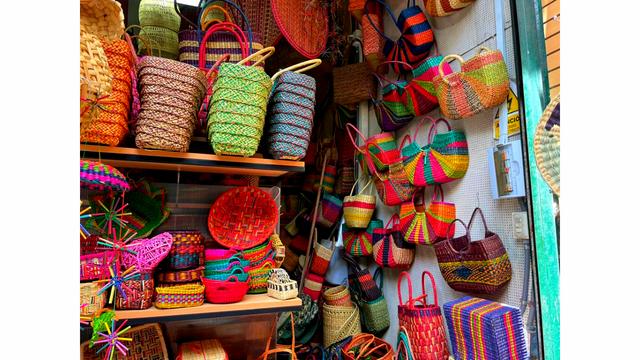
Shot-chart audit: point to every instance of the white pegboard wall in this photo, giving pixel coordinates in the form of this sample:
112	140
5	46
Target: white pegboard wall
462	33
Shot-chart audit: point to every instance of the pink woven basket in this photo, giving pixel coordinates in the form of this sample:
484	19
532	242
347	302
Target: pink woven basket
150	252
95	266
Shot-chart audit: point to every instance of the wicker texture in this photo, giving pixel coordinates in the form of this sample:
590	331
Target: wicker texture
393	186
424	324
329	210
352	83
161	24
478	326
98	176
421	225
321	256
346	179
389	249
338	296
546	145
89	295
147	343
225	292
187	250
443	159
313	285
102	18
280	286
94	65
476	267
385	150
304	25
374	313
439	8
150	252
419	95
361	279
390	111
179	296
243	217
359	242
259	277
481	83
261	18
142	296
359	209
372	42
339	322
367	346
181	276
209	349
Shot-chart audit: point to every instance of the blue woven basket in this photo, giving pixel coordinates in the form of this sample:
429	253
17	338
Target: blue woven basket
482	327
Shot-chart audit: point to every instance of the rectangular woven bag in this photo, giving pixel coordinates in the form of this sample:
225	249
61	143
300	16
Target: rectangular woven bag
352	83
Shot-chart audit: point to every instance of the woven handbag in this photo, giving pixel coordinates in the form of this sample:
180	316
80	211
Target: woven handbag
321	256
313	285
359	242
422	225
372	42
98	176
439	8
475	267
393	185
329	210
374	314
481	83
419	95
415	40
351	83
479	326
346	180
363	278
441	160
359	209
389	250
367	346
179	296
424	323
384	151
390	111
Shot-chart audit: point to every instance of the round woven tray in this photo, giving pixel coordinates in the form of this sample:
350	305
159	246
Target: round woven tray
546	145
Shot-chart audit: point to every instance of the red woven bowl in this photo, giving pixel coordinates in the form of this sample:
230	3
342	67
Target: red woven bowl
224	292
243	217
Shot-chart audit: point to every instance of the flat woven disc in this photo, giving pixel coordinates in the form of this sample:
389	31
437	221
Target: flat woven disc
546	145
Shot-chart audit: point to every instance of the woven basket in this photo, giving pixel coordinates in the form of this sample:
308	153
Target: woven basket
150	252
313	285
393	186
339	322
282	291
374	313
422	225
89	295
209	349
367	346
352	83
321	256
224	292
187	250
181	276
373	43
385	150
245	217
546	145
147	343
261	19
338	296
389	248
290	260
224	275
159	13
359	209
95	266
179	296
359	242
142	297
439	8
98	176
222	264
102	18
94	66
481	83
304	25
259	276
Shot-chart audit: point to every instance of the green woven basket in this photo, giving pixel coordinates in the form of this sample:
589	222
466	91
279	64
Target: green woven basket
159	13
163	42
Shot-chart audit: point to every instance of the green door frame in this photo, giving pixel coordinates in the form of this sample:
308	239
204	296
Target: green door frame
531	62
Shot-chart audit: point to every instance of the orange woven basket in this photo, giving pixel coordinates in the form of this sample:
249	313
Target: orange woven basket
304	24
244	217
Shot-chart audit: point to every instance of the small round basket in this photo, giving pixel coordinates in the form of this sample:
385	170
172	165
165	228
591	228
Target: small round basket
181	276
244	217
187	250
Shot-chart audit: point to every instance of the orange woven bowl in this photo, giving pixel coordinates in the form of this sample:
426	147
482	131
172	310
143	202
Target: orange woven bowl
244	217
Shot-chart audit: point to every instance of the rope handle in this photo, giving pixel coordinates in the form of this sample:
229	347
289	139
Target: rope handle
433	286
394	217
484	48
441	72
405	274
149	52
311	64
450	237
349	47
434	126
208	9
202	62
435	191
486	229
408	136
351	261
355	184
214	70
393	62
177	8
270	50
210	2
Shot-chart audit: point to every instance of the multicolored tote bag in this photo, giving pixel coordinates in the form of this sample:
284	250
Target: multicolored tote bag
475	267
439	8
423	225
359	242
481	83
329	210
480	328
420	94
389	250
391	112
359	209
443	159
415	40
393	186
382	146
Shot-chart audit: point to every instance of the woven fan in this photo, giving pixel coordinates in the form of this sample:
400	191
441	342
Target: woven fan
304	23
546	145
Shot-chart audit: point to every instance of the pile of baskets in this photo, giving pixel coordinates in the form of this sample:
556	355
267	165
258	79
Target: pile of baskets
226	278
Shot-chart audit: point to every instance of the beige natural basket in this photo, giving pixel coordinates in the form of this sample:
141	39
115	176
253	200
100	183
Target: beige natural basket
102	18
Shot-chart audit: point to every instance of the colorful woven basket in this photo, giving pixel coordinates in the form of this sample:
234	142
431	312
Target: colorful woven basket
419	96
481	83
95	266
150	252
389	249
546	145
89	295
329	210
321	256
98	176
423	225
339	322
179	296
439	8
424	323
393	186
479	326
374	314
367	346
359	242
304	25
142	296
475	267
224	292
384	151
147	342
224	275
259	276
337	296
313	285
244	217
187	250
441	160
352	83
181	276
359	209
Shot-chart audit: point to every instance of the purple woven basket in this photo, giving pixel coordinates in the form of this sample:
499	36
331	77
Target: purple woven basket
218	44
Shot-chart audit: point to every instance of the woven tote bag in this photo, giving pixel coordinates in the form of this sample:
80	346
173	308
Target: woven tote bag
439	8
423	323
351	83
389	250
415	40
346	179
475	267
393	186
481	83
373	43
363	278
443	159
359	209
374	314
382	146
329	210
423	225
403	347
359	242
420	94
367	346
391	113
321	256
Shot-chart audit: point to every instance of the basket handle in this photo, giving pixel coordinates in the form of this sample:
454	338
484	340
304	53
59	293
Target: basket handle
368	185
177	8
486	229
391	221
433	286
484	48
208	9
311	64
376	274
366	12
356	184
434	127
441	72
408	136
351	137
269	50
222	26
405	274
233	277
222	287
351	261
468	238
415	135
209	3
143	40
435	191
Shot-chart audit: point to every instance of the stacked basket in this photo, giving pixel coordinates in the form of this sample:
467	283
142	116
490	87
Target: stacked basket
161	24
226	277
171	95
238	106
291	111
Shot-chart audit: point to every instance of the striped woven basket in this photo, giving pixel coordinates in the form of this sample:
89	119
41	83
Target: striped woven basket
359	209
439	8
422	225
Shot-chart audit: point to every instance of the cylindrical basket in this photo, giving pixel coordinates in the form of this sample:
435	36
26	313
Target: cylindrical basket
181	276
89	295
313	285
339	322
359	209
142	297
338	296
187	250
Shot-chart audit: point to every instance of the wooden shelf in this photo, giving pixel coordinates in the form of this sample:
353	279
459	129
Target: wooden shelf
250	305
191	162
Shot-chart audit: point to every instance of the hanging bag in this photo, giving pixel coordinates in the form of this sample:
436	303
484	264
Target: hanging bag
393	186
390	112
374	314
359	209
476	267
363	278
359	242
367	346
351	82
481	83
321	255
441	160
389	250
384	151
439	8
329	210
424	323
420	94
423	225
415	40
346	179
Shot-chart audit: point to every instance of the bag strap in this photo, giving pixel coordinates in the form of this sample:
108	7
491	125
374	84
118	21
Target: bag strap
370	161
376	274
441	72
310	64
435	191
349	47
434	126
353	141
269	50
403	140
366	12
208	9
449	236
210	2
404	274
351	262
394	217
433	286
486	229
415	135
202	56
356	184
392	62
177	8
